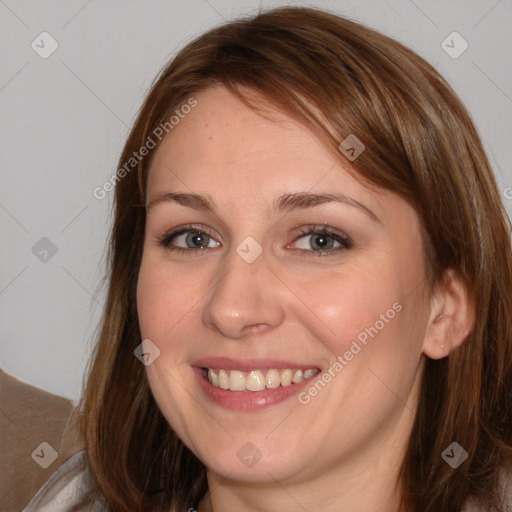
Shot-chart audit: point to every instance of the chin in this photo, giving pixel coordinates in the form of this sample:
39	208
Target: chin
259	462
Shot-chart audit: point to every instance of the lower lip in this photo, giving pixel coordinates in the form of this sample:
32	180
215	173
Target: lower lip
247	400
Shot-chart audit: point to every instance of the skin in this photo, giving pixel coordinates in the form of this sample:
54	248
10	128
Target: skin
342	451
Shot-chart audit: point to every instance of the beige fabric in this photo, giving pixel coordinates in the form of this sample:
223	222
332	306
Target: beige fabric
28	417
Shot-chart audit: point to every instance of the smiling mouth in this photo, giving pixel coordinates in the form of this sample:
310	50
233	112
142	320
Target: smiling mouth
256	380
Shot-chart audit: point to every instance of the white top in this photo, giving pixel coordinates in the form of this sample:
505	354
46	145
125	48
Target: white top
65	489
71	482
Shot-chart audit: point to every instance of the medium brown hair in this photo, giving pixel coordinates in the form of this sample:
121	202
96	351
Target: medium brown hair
338	78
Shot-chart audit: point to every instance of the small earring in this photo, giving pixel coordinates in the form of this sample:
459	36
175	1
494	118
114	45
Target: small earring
439	317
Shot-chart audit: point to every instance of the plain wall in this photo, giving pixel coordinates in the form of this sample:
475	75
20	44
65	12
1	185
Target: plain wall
65	118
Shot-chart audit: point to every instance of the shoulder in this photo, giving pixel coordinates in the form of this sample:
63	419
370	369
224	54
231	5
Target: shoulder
506	485
505	493
66	489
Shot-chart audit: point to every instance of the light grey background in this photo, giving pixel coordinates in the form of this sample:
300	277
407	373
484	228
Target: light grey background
65	118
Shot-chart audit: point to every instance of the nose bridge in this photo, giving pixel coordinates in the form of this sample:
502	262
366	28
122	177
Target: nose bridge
243	299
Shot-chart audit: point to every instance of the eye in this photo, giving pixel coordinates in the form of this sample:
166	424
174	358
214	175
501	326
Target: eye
188	239
315	240
322	240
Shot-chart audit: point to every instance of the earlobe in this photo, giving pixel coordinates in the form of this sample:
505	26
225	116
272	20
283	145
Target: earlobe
451	318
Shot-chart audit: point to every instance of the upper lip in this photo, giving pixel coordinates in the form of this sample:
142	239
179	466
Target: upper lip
246	365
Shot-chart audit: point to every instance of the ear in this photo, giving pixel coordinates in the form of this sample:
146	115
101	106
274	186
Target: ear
451	316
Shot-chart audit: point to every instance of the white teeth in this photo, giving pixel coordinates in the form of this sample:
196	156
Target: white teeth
236	381
297	376
286	377
257	380
223	379
273	379
213	378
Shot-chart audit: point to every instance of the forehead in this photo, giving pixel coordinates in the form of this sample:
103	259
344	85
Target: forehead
244	161
223	140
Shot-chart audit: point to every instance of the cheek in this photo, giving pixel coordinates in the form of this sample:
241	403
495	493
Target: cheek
371	325
151	300
352	304
164	298
164	302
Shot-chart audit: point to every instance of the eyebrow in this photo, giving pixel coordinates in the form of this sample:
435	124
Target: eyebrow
285	203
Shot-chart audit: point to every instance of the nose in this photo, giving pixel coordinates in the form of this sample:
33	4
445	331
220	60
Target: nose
245	300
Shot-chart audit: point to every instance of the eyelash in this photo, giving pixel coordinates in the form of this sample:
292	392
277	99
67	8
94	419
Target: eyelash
344	240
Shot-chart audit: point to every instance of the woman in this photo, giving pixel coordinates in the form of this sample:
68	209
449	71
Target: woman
310	287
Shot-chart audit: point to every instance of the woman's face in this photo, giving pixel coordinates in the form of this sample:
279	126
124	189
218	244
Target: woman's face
263	258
